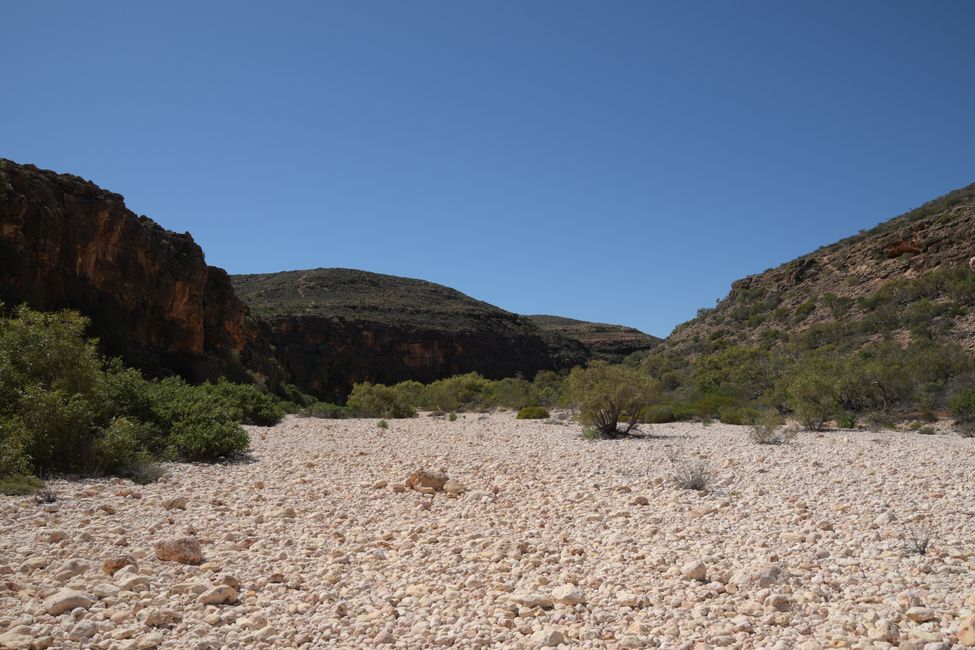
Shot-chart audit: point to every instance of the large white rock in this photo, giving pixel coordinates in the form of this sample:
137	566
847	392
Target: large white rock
66	600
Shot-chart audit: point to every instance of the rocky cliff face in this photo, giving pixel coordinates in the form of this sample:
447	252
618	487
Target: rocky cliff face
333	327
611	343
907	276
151	298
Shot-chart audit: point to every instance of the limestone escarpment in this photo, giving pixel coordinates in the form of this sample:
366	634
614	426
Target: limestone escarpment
151	297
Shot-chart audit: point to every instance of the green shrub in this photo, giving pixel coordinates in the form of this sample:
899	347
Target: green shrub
590	433
962	405
709	406
202	425
452	417
659	414
767	429
459	393
62	429
119	450
737	414
253	405
20	485
927	430
382	424
533	413
548	389
512	392
14	439
606	395
326	411
847	421
200	437
377	401
62	408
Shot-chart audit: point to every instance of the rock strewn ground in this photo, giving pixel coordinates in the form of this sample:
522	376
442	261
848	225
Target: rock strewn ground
554	540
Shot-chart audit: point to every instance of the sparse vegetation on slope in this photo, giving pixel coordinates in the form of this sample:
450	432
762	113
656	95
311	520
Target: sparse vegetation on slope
907	276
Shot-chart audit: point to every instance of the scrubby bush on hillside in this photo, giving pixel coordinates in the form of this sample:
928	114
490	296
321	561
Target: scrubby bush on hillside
812	398
607	395
962	406
377	401
533	413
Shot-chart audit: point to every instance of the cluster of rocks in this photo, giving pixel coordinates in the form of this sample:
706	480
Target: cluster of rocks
529	536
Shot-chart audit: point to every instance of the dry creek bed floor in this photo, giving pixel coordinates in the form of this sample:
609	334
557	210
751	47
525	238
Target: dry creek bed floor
555	542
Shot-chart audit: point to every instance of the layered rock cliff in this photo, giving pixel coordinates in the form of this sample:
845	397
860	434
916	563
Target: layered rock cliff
151	297
333	327
611	343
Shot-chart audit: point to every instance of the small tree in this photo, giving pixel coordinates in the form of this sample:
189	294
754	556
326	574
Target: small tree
606	394
812	399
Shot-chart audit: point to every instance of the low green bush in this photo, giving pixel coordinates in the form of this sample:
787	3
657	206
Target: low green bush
253	405
326	411
737	414
659	414
847	421
377	401
533	413
20	484
64	409
962	405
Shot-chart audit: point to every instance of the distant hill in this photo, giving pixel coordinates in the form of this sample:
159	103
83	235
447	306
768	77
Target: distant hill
334	327
608	342
374	298
909	276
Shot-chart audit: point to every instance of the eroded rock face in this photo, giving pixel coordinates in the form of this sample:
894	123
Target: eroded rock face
326	356
151	298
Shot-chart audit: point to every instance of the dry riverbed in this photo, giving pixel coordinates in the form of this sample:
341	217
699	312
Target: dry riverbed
550	541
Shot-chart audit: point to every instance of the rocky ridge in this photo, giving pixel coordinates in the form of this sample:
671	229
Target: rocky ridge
605	341
828	286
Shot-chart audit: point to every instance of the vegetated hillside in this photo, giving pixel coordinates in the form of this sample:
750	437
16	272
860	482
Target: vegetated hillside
605	341
334	327
151	298
907	277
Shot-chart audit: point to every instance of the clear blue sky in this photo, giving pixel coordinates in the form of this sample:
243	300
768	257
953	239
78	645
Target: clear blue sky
613	161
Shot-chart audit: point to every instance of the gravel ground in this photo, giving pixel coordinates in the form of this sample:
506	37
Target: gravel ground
554	541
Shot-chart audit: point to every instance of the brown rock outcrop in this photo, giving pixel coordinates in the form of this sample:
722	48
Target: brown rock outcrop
151	298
